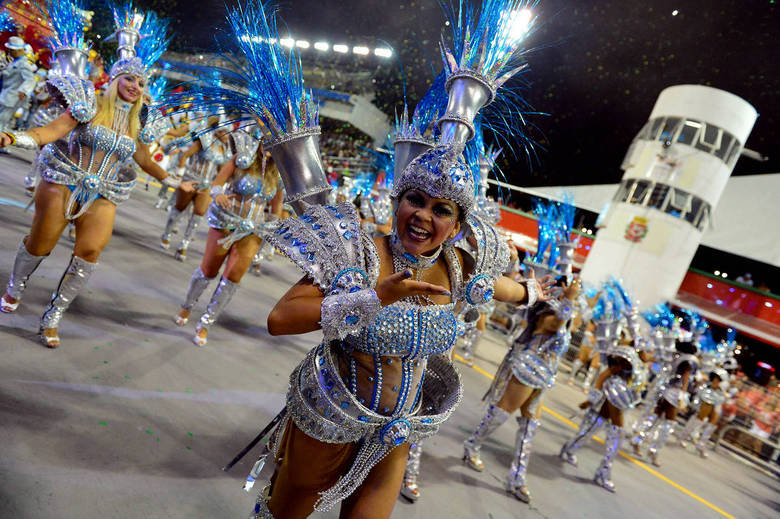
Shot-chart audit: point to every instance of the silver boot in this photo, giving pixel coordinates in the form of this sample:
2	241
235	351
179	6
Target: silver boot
198	283
174	215
575	367
689	431
470	339
704	438
219	300
641	429
591	423
72	282
409	489
494	417
612	443
189	233
589	378
515	483
24	265
664	430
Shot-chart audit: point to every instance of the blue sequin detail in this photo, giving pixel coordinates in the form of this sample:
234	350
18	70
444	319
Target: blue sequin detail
352	319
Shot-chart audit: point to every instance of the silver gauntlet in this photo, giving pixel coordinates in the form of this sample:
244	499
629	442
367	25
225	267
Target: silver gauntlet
23	140
595	397
531	293
217	190
348	313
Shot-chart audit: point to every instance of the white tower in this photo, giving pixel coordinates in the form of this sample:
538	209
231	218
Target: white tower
675	171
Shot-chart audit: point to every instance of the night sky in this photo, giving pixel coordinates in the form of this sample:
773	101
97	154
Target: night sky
599	66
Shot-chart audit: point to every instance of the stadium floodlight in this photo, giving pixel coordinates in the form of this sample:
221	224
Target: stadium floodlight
321	45
383	52
360	50
303	44
343	49
286	42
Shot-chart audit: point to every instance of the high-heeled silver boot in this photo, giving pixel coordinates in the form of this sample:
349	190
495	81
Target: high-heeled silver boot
689	431
73	281
494	417
641	429
189	234
663	431
591	423
24	266
198	283
174	215
219	300
575	367
470	339
409	488
589	377
603	477
704	437
515	483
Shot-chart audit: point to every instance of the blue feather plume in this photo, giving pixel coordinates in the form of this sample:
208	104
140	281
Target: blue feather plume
269	76
154	39
66	21
427	112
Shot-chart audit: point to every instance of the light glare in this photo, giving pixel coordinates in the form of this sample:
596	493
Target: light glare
360	50
321	45
341	49
303	44
383	52
287	42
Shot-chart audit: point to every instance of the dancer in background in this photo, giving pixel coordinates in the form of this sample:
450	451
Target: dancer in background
200	164
85	182
237	219
528	369
18	81
615	391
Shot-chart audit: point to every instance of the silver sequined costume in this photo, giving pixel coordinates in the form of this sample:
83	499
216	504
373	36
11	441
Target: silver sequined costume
329	246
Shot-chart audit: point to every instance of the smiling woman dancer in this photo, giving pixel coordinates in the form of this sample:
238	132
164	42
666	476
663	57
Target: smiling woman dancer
84	180
380	379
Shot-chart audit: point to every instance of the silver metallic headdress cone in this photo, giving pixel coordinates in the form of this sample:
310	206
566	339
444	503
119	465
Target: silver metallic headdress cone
72	61
566	258
127	38
297	156
468	93
540	269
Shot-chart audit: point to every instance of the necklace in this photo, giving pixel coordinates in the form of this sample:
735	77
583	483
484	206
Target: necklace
407	260
404	260
121	116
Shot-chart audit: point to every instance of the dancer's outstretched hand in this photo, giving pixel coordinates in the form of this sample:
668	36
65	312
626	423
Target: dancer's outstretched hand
543	285
188	186
5	140
222	200
398	286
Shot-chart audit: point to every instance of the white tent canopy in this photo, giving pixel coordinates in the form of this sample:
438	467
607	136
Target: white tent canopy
745	222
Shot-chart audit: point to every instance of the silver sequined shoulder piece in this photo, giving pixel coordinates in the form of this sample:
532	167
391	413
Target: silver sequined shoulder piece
492	259
326	242
72	92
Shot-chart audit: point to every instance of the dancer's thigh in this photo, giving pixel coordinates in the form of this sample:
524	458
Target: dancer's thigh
376	497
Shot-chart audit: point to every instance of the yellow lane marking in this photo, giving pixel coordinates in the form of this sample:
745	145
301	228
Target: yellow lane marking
628	457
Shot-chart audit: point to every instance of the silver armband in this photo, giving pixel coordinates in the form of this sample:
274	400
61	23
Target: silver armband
23	140
348	313
217	190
